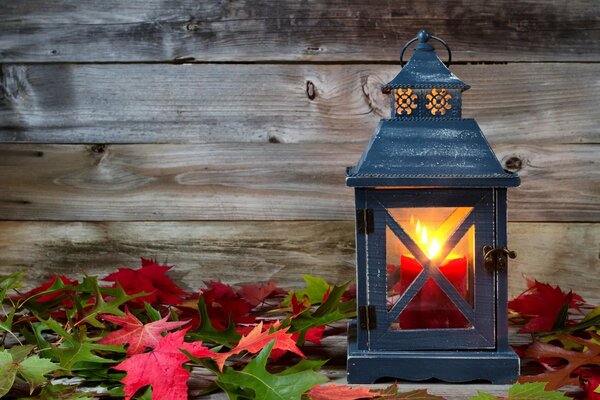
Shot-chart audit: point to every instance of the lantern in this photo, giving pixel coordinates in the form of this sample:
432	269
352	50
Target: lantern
430	238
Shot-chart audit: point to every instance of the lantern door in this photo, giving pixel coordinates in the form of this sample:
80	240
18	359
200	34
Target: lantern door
426	282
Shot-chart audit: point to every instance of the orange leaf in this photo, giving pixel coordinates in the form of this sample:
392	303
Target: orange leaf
558	377
340	392
256	340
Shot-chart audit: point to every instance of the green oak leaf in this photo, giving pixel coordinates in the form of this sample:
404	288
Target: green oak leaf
6	325
255	382
208	333
315	290
8	372
9	282
19	353
76	348
533	391
33	369
330	311
118	297
525	391
590	321
60	392
152	313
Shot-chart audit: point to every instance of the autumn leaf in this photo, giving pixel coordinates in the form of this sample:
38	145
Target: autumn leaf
315	290
256	340
75	350
31	369
340	392
560	376
331	310
207	332
392	392
590	382
524	391
48	291
224	305
162	368
135	334
255	382
545	307
255	294
151	279
60	392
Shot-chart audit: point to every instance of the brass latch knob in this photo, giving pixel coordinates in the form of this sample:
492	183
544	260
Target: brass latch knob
494	258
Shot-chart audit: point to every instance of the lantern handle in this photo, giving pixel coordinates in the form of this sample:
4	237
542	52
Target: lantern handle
423	37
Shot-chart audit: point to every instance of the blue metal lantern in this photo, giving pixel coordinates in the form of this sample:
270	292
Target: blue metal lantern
430	238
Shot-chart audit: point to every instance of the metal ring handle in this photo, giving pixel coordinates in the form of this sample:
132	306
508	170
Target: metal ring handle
427	36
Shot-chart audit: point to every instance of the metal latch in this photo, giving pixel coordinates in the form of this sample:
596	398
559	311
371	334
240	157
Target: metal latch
365	220
367	317
495	258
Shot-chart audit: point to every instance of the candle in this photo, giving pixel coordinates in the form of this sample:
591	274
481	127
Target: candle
431	307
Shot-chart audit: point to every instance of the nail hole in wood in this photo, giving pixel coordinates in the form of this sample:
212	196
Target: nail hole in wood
311	92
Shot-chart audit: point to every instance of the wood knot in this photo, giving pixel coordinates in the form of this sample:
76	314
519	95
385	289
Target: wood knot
311	91
274	139
513	164
377	101
98	148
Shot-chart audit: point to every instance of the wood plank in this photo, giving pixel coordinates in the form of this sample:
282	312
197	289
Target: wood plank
338	30
243	251
201	103
249	181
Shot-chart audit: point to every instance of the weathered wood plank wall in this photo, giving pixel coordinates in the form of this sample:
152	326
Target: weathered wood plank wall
110	150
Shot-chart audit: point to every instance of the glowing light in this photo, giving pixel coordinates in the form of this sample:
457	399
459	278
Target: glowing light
429	242
433	249
424	236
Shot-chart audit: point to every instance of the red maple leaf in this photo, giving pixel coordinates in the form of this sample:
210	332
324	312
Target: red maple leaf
135	334
223	305
151	278
299	306
542	304
50	296
162	368
340	392
256	294
257	339
590	382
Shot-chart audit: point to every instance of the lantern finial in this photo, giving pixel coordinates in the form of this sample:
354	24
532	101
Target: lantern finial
423	36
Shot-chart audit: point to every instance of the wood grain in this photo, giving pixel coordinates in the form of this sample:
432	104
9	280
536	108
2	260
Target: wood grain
254	182
339	30
208	103
238	251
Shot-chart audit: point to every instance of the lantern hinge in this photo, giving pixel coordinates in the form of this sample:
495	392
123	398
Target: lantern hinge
367	317
365	220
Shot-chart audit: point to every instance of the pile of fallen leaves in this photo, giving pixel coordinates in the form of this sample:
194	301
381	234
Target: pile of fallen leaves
135	334
566	337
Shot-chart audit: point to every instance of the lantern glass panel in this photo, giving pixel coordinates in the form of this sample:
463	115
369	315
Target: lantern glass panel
430	229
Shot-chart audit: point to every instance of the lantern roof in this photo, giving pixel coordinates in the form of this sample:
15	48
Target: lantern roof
425	69
433	152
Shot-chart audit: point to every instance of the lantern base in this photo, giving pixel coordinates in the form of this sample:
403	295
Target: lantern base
497	367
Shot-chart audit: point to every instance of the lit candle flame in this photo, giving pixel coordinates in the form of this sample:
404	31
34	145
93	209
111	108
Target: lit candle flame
424	236
431	245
